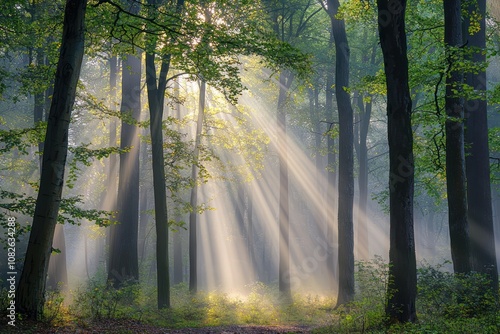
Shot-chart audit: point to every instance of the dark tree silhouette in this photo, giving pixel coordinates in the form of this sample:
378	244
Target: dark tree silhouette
402	287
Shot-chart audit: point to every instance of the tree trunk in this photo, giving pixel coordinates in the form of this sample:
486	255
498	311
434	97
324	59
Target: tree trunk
284	278
480	214
455	154
346	158
364	125
402	287
156	99
331	206
178	236
31	289
365	110
57	278
193	246
123	257
159	185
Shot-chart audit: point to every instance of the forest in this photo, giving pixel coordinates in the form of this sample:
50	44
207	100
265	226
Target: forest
266	166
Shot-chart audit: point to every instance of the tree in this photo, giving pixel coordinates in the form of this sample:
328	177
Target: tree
123	253
156	96
285	81
402	287
480	214
331	174
455	153
289	21
346	158
193	244
31	289
362	126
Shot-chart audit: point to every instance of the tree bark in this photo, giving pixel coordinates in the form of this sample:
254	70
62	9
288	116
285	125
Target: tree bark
178	236
455	153
31	289
402	287
284	278
480	213
346	158
156	97
123	257
331	238
362	240
193	246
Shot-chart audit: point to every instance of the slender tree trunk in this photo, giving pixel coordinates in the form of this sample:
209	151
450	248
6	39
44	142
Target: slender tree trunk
31	289
363	243
480	213
156	96
402	287
346	158
363	221
108	201
285	81
332	182
178	236
193	243
314	112
455	154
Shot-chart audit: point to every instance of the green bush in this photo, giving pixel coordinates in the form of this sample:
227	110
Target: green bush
449	295
102	301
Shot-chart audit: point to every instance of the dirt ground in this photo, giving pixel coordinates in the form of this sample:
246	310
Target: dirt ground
133	327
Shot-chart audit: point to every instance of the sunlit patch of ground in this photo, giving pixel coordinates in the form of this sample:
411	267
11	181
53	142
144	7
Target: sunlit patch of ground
132	327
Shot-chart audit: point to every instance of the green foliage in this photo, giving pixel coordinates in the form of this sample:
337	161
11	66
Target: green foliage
446	303
448	295
85	156
22	139
99	300
70	211
54	311
367	311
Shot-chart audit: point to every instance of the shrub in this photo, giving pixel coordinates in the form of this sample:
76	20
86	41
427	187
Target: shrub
101	300
449	295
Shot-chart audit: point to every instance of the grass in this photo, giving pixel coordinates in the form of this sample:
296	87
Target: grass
446	303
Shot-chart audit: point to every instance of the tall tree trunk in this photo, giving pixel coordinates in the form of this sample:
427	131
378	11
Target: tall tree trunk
108	197
156	98
362	239
178	236
31	289
314	112
193	243
285	81
480	214
123	257
402	287
332	181
57	278
346	158
455	154
365	110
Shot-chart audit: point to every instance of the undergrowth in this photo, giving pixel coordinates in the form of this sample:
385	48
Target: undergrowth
446	303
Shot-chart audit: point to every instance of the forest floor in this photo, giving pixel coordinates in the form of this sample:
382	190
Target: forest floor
133	327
